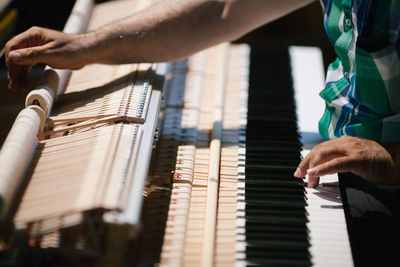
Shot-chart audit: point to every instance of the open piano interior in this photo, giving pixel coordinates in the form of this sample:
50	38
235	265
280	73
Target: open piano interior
120	175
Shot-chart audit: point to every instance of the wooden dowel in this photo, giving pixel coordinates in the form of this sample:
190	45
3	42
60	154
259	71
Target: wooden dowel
58	120
213	171
88	123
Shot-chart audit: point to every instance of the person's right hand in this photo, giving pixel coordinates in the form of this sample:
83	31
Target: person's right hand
374	162
40	45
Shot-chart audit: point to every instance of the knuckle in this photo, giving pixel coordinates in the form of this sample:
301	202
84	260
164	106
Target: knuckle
314	164
8	46
318	158
301	165
305	161
311	160
345	137
35	29
35	33
30	53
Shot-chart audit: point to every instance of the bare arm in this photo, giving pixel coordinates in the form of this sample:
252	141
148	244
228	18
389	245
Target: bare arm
175	29
169	30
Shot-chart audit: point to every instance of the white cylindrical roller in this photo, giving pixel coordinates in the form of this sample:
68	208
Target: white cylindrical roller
79	18
77	23
64	79
42	116
16	155
43	95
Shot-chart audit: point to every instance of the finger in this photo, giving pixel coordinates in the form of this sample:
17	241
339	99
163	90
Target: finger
341	164
18	81
29	38
325	154
18	77
320	154
23	80
19	63
313	181
29	56
301	170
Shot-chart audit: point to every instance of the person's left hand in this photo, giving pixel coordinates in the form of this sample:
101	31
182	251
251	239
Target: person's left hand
365	158
39	45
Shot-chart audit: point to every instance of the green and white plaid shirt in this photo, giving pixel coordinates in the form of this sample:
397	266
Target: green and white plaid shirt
362	92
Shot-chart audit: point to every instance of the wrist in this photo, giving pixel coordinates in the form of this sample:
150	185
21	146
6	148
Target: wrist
89	45
394	150
97	45
104	45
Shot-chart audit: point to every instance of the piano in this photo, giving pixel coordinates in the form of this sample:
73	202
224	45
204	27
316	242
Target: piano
120	175
266	218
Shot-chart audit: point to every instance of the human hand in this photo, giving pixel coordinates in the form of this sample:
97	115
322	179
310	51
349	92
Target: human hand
40	45
368	159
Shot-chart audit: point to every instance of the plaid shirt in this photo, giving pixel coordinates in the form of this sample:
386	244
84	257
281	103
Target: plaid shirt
362	92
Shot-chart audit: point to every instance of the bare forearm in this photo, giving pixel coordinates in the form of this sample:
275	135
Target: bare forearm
170	30
173	29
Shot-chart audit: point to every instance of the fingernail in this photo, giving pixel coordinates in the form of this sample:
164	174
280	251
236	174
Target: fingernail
15	56
297	172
